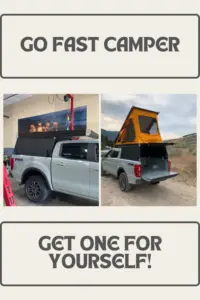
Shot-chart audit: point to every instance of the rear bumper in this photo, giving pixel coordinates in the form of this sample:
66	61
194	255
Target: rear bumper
158	176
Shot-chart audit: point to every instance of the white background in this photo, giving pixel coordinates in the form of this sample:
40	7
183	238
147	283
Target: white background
100	86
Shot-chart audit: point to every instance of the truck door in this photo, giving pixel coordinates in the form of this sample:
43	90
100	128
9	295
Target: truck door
71	169
94	170
113	162
110	162
106	161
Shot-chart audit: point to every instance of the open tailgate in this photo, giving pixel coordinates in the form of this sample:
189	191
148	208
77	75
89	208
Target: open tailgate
153	176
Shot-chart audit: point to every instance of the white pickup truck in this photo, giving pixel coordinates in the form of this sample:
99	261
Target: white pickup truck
136	164
68	166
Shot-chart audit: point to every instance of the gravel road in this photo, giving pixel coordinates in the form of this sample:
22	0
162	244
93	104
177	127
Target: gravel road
167	193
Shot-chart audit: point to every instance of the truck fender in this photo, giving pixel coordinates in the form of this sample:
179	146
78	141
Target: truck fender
34	171
119	171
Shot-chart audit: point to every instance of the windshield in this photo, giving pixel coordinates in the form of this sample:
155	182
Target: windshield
148	125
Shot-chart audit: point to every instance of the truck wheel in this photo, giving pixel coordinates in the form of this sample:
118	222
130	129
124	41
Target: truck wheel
155	182
123	183
103	173
36	189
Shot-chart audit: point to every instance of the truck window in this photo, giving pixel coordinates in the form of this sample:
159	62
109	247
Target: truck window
148	125
75	151
114	154
97	152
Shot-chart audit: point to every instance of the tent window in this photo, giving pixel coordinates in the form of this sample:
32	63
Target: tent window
130	132
148	125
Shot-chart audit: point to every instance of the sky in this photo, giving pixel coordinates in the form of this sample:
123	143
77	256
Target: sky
177	113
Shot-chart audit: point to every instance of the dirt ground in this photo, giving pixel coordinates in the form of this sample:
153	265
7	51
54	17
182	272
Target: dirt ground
55	200
185	165
178	191
167	193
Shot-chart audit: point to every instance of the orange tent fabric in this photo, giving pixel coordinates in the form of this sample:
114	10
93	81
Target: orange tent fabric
140	126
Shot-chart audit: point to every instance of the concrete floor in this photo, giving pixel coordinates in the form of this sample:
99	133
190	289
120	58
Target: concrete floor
55	200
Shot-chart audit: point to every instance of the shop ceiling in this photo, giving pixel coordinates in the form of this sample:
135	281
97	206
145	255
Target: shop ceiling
13	98
9	99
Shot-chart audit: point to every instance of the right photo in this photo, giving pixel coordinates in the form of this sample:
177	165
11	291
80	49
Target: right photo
148	149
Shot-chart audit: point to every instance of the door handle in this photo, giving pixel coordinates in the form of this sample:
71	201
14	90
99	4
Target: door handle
61	164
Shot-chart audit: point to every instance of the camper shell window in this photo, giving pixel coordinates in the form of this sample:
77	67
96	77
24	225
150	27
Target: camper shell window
34	147
138	152
148	125
130	152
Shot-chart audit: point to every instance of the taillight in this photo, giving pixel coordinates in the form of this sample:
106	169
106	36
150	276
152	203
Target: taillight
12	162
169	165
137	170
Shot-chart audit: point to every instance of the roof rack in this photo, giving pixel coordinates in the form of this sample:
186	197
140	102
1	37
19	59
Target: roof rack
144	144
60	135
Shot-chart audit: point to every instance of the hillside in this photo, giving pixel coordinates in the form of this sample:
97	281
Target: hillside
183	158
111	135
185	144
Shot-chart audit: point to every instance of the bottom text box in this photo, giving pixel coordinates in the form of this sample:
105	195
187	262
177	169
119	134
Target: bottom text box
100	253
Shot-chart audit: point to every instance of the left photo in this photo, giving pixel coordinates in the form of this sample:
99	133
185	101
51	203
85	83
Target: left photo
51	149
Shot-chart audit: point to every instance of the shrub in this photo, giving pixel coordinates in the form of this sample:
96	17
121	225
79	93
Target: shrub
174	152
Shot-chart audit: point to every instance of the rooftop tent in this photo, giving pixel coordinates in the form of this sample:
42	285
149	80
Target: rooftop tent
140	126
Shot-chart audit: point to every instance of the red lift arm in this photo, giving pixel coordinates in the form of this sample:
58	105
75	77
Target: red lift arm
66	98
7	190
72	113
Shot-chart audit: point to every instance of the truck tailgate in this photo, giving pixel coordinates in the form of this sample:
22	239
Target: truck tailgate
155	175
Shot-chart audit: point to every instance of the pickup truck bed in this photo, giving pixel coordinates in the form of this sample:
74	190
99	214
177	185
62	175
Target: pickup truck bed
136	164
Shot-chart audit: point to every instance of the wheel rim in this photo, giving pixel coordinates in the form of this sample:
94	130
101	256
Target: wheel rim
122	182
33	190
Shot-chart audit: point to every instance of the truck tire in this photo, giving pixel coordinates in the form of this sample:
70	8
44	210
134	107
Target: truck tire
103	173
123	182
36	189
155	182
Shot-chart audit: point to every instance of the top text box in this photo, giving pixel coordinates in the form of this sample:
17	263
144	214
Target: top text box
98	61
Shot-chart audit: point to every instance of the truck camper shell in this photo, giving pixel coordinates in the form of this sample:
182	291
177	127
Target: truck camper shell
43	143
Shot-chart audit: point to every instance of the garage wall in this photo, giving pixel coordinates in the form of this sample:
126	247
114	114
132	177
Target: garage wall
41	104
